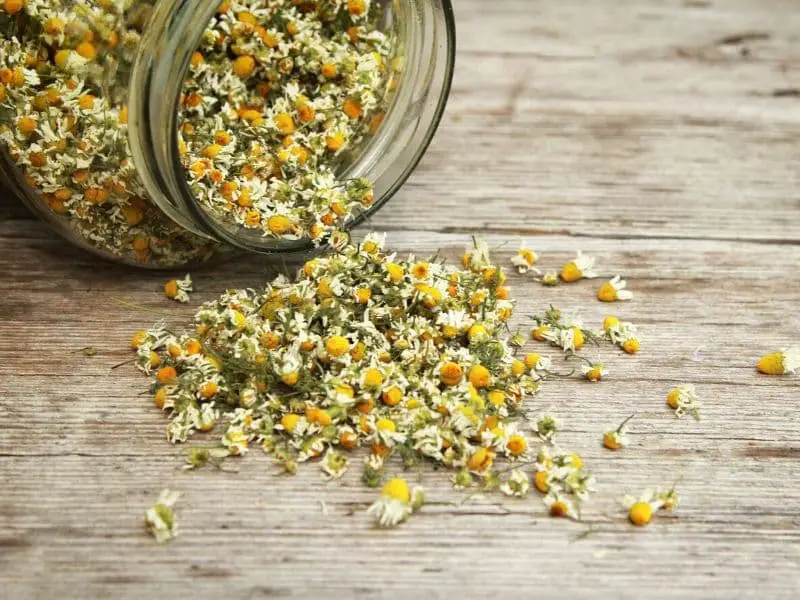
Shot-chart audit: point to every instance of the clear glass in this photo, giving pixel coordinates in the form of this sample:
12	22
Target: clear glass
147	81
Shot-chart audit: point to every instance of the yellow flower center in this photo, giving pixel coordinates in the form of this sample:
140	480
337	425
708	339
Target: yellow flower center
578	339
631	345
208	390
290	421
559	509
571	273
393	396
517	368
772	364
542	481
640	513
607	293
481	460
420	270
395	272
517	445
540	332
477	332
337	346
611	441
450	373
531	360
290	378
479	376
497	397
397	489
386	425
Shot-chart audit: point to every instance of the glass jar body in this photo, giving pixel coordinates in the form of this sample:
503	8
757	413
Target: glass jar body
90	135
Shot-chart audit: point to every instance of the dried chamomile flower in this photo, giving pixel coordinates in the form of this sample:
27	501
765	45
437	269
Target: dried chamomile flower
785	362
524	259
566	333
537	362
683	399
580	267
616	439
549	279
593	371
160	518
178	289
372	472
517	340
642	509
561	506
198	457
622	334
462	479
517	484
396	503
561	476
547	427
334	464
614	290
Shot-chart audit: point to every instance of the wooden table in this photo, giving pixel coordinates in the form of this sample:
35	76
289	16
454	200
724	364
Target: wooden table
662	136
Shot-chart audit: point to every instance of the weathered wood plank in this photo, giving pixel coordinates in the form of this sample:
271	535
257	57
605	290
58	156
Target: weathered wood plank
660	137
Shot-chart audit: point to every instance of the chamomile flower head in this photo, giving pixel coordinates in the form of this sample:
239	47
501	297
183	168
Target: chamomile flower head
461	479
642	508
593	372
614	290
616	439
570	339
236	440
622	334
580	267
546	427
784	362
160	518
537	362
334	464
179	289
560	506
395	504
480	461
516	485
631	344
683	399
477	258
549	279
524	259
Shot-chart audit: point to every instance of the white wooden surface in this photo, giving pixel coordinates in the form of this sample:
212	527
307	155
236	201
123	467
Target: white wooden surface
662	136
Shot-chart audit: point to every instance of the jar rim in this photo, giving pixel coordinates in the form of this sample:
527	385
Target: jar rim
154	100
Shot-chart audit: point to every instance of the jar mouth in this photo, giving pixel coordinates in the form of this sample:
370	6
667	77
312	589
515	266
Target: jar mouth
387	160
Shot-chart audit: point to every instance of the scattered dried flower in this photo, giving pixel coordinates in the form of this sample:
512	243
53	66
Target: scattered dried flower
614	290
178	289
784	362
682	400
160	518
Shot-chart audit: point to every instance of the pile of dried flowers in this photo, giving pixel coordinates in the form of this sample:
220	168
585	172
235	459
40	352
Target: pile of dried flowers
411	358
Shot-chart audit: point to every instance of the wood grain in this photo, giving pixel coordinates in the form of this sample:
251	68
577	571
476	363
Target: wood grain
660	136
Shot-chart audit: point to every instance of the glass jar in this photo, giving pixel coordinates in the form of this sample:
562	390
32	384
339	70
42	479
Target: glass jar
93	116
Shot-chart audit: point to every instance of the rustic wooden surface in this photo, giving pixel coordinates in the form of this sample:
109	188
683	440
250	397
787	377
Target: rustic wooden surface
662	136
